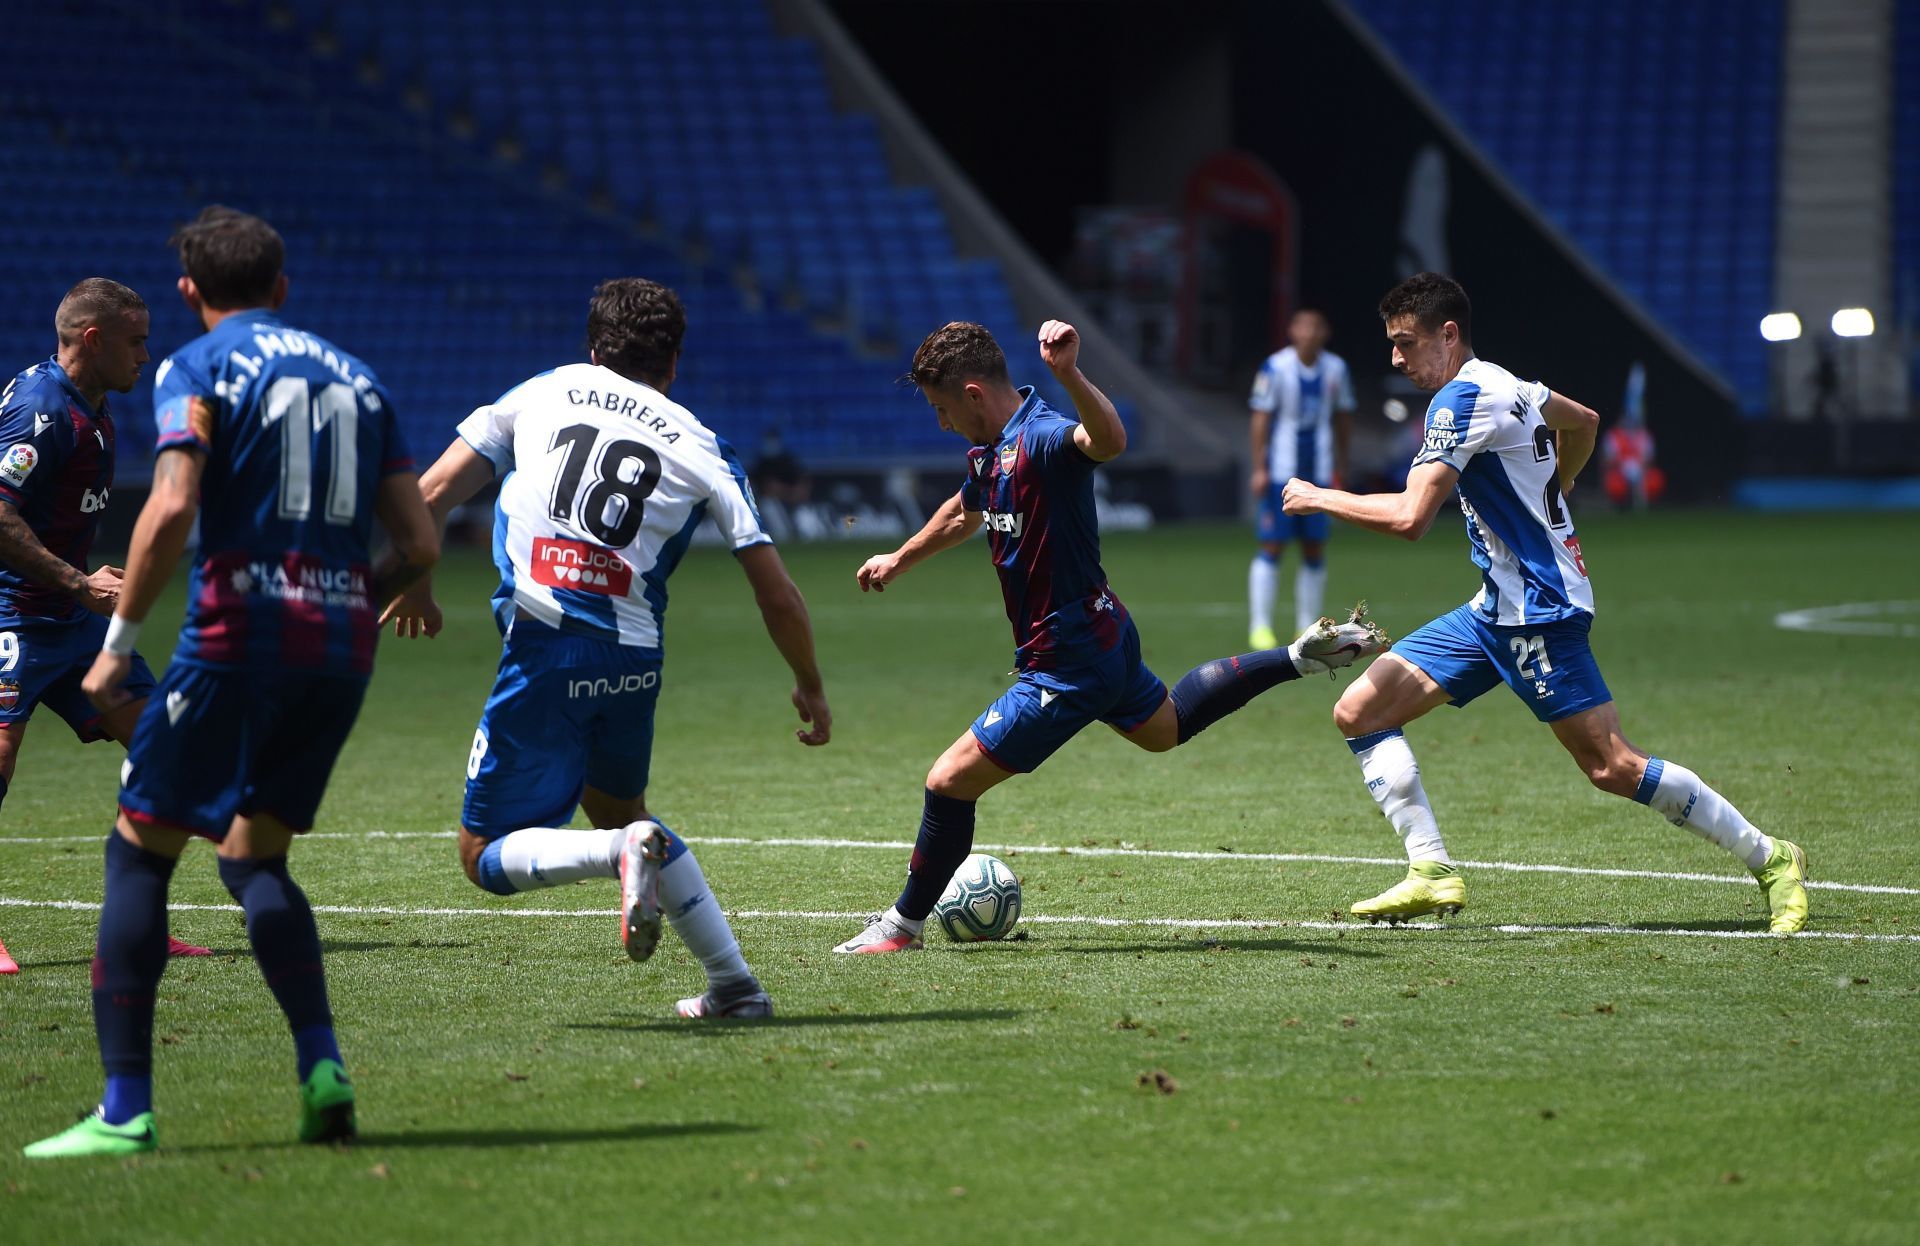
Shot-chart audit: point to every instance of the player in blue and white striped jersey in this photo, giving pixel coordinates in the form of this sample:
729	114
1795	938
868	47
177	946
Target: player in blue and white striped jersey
1507	449
603	481
1300	422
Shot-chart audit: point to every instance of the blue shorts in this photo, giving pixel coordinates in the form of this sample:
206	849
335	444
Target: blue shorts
567	712
1548	665
213	744
44	664
1275	527
1045	709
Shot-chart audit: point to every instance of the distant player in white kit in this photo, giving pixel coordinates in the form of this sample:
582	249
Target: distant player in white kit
1300	423
605	480
1507	448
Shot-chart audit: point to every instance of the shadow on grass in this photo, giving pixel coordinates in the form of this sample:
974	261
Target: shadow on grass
1340	948
328	947
488	1139
735	1025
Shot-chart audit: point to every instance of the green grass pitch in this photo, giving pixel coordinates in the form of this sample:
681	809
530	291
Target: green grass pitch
1280	1076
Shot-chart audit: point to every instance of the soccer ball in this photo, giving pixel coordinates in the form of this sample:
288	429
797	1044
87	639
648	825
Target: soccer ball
982	902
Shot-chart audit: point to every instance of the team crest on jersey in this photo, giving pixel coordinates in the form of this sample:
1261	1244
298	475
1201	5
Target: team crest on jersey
9	694
1009	455
579	566
19	464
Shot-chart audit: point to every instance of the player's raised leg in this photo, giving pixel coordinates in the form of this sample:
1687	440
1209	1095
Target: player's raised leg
1594	739
130	956
1370	714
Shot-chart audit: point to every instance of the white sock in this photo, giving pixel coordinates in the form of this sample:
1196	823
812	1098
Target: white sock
1263	578
905	923
544	857
1309	593
1393	777
696	917
1677	794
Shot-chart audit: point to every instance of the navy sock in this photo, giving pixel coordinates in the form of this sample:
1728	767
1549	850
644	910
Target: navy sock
1212	690
129	956
946	837
286	945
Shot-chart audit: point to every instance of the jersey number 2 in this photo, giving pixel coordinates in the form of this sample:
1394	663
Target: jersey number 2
302	412
625	474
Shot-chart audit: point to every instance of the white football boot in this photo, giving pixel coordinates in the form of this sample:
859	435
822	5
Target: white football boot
750	1003
885	932
640	859
1327	646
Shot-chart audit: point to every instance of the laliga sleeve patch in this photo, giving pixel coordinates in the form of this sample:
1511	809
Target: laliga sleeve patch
18	464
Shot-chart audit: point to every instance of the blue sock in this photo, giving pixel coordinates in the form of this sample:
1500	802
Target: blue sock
945	839
492	873
1212	690
128	958
286	945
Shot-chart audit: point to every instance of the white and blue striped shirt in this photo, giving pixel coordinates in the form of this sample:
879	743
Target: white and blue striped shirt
1486	425
1302	401
606	479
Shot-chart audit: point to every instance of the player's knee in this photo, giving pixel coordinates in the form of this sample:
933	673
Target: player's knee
1615	776
1350	714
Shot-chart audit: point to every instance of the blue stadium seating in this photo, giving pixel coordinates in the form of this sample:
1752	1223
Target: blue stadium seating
1647	131
1906	182
456	276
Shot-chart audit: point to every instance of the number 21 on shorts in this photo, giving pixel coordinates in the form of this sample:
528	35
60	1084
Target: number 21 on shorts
1530	652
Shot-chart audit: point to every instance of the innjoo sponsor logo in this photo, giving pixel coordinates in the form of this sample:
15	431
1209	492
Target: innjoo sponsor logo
580	566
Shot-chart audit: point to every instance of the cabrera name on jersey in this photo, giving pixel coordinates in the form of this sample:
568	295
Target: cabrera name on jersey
1486	425
606	481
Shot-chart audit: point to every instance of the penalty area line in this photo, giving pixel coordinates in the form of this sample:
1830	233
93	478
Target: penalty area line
1078	850
1036	919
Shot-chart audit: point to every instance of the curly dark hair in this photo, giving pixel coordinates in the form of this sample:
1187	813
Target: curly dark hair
955	354
234	258
1431	299
635	327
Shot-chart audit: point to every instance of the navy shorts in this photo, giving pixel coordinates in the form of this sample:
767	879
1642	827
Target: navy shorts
1548	665
43	664
1045	709
1275	527
213	744
567	712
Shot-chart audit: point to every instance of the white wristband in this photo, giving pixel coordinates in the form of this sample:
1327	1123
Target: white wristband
122	634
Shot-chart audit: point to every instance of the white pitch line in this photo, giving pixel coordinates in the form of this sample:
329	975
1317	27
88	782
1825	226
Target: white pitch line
1037	919
1076	850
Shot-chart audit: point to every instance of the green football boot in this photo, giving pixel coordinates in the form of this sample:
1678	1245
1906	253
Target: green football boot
1429	887
93	1136
1783	879
326	1105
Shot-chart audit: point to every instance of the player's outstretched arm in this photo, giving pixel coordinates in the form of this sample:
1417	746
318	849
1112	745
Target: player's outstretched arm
454	478
1101	436
21	551
159	538
1576	428
784	611
1407	514
952	524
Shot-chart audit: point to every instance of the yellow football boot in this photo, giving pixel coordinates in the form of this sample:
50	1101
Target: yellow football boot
1429	887
1783	878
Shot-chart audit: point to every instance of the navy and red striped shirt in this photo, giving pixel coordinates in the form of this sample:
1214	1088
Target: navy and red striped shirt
1036	488
56	469
298	435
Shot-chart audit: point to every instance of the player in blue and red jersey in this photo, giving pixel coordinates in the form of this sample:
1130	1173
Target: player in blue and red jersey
1077	654
287	448
56	471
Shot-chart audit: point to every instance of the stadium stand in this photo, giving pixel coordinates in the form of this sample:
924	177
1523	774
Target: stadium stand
457	272
1906	181
1647	132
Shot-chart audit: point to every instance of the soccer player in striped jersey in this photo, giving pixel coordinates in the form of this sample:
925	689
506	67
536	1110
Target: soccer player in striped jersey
1507	449
1300	422
57	444
1030	482
603	481
286	448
